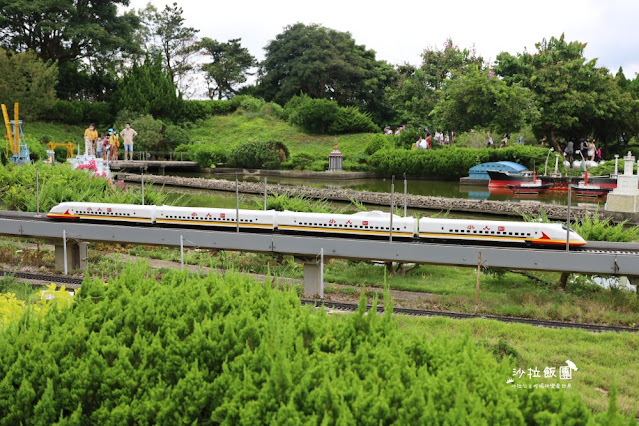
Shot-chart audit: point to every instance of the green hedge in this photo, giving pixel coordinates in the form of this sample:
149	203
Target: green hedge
200	110
81	112
231	350
449	163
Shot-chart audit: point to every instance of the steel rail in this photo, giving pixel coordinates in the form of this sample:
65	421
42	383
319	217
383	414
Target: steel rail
463	315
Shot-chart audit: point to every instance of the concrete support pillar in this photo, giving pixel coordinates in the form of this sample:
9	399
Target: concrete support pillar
77	255
312	278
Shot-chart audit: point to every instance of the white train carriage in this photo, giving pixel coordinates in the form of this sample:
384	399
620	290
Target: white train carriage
103	212
504	232
255	220
374	224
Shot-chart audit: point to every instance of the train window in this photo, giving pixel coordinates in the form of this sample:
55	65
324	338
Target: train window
528	234
516	233
474	232
492	232
510	233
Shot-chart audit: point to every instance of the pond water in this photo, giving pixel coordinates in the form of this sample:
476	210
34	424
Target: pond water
436	188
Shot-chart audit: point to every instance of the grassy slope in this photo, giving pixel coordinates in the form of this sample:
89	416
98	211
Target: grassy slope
599	356
229	130
55	131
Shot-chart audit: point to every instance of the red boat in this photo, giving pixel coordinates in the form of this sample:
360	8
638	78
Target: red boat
593	191
499	179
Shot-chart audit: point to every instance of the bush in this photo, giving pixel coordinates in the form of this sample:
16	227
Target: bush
97	112
67	112
59	184
301	161
449	162
247	103
258	155
271	109
314	115
175	136
204	155
227	349
81	112
376	143
150	134
351	120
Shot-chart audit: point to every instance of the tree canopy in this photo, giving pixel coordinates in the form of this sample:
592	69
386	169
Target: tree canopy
417	89
28	80
229	66
574	96
148	89
480	99
79	35
327	64
167	34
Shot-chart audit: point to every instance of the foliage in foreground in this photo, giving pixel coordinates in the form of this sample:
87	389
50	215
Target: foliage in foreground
59	184
593	228
232	350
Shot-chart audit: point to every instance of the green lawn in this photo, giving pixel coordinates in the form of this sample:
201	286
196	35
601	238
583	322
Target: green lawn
229	130
56	132
599	356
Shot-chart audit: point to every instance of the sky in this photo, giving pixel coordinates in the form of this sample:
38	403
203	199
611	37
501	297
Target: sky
400	31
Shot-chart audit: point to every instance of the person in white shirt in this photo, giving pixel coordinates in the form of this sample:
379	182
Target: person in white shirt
127	136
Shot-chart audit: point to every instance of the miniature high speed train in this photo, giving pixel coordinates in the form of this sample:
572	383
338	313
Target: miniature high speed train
374	225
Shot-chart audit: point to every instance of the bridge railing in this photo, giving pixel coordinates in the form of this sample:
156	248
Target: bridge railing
157	155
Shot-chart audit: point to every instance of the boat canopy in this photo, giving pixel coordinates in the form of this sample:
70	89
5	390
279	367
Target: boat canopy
479	171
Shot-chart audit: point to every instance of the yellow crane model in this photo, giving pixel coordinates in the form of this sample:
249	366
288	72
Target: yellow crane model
15	139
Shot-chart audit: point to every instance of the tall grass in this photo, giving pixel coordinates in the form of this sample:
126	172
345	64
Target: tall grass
593	228
59	184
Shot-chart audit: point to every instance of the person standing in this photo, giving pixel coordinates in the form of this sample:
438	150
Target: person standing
127	137
114	143
90	139
569	151
591	150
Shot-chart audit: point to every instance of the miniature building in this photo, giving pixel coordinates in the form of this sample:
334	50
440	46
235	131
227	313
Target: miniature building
335	159
625	197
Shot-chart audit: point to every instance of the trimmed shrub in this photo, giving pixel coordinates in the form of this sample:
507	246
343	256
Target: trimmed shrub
150	133
175	136
351	120
247	103
315	115
271	109
204	155
258	155
376	143
449	163
68	112
80	112
301	161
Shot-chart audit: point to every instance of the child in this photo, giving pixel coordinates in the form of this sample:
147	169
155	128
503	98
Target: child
99	145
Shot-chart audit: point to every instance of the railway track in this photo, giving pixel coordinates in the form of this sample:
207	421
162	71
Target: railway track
75	282
351	307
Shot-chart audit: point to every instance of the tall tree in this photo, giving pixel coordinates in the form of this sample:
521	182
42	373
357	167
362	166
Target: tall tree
324	63
28	80
417	89
480	99
148	89
72	32
169	36
575	97
229	66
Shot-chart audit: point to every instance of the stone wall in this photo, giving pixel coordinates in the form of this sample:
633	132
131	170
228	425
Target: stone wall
504	208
